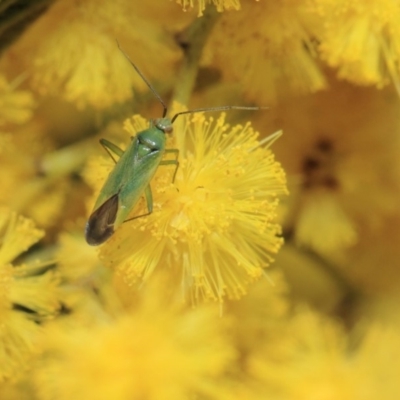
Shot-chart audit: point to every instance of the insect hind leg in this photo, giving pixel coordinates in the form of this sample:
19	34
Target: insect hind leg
172	162
149	201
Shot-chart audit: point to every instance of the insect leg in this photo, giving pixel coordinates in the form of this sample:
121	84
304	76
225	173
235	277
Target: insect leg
149	202
111	147
175	151
172	162
149	199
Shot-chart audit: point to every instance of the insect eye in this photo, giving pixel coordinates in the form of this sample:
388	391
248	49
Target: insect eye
164	128
167	129
163	124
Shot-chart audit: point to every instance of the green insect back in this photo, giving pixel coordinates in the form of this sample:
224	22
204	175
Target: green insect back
126	184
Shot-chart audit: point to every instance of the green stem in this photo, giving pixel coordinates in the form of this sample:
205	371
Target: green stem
50	169
192	41
66	160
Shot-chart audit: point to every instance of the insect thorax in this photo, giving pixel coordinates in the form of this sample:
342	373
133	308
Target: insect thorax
163	124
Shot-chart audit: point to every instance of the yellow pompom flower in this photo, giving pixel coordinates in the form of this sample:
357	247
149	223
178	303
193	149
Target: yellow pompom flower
214	227
16	106
157	351
22	143
26	187
266	47
27	295
220	5
316	359
87	289
360	38
73	53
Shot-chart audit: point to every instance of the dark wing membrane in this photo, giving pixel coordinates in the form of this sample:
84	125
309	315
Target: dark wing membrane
100	224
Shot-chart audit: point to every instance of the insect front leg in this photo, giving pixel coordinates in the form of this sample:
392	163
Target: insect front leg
111	147
172	162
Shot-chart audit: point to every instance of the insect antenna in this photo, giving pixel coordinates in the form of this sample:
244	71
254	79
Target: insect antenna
145	80
220	108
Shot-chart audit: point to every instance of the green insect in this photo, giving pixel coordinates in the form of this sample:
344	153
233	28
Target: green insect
134	170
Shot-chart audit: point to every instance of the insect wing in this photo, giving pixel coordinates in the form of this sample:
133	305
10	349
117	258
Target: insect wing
100	225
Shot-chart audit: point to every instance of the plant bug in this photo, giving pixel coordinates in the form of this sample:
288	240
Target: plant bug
134	170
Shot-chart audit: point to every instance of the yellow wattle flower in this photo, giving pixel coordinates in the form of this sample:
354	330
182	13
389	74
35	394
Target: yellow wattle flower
220	5
267	48
27	295
315	358
214	228
26	187
16	106
359	38
73	54
159	350
335	231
